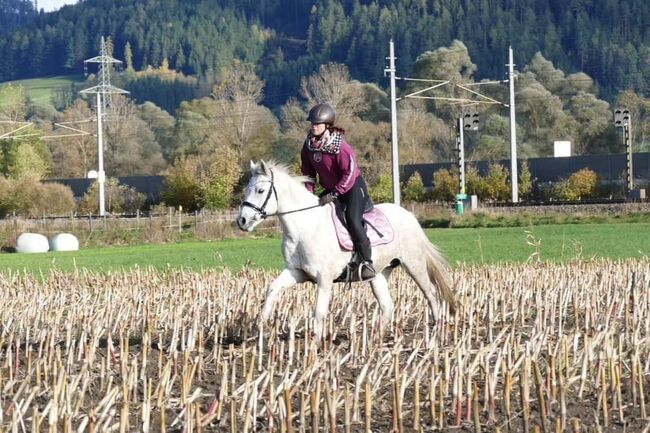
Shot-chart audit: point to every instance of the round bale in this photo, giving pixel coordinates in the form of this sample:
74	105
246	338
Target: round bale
32	243
64	242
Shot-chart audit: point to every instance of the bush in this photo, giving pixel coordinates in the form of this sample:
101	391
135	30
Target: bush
496	183
414	188
117	198
382	191
28	197
54	199
525	181
475	184
581	184
6	196
182	185
217	189
446	184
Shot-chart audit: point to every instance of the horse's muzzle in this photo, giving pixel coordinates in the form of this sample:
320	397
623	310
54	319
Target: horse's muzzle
241	223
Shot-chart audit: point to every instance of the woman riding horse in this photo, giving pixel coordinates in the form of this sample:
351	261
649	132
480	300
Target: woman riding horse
327	154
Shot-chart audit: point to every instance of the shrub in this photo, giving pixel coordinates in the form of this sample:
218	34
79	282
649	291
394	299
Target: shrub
445	184
54	199
382	191
525	180
414	188
28	197
581	184
6	196
217	189
474	183
182	185
496	183
117	198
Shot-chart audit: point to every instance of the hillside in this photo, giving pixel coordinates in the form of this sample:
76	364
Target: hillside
606	39
42	91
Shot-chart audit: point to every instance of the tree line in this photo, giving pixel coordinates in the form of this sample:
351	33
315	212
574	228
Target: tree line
606	39
204	147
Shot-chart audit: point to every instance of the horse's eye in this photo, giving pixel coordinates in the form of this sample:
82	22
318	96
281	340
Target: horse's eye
260	190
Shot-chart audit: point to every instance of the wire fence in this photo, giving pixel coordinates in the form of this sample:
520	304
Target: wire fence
125	229
152	227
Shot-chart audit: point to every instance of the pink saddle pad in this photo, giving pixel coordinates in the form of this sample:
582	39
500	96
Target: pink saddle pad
374	218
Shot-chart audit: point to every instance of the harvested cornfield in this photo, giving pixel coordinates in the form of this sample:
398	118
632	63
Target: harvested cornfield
536	347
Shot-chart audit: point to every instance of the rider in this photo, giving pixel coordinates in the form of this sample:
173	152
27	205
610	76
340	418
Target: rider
326	153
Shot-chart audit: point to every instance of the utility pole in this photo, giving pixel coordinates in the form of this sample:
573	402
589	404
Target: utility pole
460	141
513	129
103	90
393	123
622	119
471	123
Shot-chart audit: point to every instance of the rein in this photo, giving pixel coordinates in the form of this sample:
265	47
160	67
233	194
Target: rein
262	209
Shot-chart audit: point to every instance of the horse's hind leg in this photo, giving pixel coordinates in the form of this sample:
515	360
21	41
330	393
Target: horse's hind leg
418	271
382	294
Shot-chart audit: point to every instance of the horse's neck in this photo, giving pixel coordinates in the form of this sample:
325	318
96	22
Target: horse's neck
302	216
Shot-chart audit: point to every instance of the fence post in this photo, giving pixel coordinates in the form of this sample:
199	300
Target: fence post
137	219
90	222
171	224
196	221
15	226
180	216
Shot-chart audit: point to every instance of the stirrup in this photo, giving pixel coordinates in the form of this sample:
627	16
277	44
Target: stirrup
366	271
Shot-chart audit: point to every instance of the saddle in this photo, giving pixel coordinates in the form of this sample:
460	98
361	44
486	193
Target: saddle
378	228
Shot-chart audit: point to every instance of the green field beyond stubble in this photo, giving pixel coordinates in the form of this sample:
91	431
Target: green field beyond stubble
475	245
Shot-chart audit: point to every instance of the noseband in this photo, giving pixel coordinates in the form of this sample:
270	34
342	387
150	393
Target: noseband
262	209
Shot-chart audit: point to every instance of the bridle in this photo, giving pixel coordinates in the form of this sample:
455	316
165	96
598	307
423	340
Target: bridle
262	209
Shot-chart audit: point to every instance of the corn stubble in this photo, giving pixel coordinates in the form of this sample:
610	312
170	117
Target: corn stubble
536	347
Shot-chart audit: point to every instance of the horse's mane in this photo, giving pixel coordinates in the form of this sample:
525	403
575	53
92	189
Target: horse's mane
282	168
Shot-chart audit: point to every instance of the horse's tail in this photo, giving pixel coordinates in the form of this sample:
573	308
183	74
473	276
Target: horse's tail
438	271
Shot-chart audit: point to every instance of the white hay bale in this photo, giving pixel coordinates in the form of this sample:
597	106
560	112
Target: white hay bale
64	242
32	243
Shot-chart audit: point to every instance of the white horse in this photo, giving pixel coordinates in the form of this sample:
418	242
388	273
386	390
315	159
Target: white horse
312	253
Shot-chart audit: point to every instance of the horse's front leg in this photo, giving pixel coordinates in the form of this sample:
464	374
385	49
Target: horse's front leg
323	295
287	278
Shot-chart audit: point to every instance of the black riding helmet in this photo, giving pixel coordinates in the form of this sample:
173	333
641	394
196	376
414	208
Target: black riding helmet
322	113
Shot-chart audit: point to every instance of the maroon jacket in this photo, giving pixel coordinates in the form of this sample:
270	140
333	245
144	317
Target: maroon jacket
336	172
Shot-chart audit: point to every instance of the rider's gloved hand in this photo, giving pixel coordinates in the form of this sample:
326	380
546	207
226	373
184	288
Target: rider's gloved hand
327	198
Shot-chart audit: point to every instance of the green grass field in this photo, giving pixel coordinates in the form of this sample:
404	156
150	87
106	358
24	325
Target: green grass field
41	90
476	245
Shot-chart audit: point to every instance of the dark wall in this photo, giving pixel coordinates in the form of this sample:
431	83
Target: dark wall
150	186
608	167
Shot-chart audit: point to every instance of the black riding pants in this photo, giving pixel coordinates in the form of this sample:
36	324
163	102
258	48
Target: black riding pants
355	202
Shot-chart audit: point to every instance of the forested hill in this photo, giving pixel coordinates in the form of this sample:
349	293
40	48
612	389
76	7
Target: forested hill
15	13
287	39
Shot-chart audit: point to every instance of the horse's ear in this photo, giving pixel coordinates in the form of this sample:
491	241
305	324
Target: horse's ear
264	168
253	165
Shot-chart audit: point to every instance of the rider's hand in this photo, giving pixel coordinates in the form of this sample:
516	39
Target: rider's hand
327	198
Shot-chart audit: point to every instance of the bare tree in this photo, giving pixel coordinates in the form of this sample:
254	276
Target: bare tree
333	84
75	156
238	94
131	146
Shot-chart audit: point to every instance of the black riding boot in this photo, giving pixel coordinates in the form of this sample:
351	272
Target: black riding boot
366	270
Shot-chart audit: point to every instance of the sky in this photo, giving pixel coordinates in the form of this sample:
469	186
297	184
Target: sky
52	5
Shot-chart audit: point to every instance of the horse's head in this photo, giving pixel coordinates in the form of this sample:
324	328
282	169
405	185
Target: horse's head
260	197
